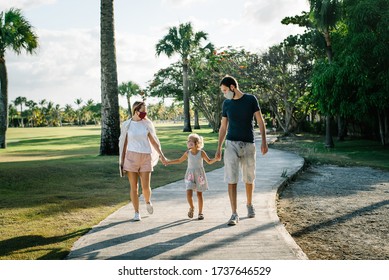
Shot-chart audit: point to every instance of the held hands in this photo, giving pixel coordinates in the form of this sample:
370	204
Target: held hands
163	159
167	162
218	155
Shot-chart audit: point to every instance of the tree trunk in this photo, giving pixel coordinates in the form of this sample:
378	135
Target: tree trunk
381	125
341	128
110	120
187	126
329	143
288	118
196	116
274	108
21	114
3	104
129	106
386	129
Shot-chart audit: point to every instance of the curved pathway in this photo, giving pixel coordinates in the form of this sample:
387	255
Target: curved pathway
168	234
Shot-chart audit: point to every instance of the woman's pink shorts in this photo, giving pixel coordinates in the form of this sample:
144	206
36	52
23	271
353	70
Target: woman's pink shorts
137	162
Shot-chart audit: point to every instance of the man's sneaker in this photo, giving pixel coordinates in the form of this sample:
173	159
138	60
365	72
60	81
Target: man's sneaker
150	208
250	211
137	217
233	220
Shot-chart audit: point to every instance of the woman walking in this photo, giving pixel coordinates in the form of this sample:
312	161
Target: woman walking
139	151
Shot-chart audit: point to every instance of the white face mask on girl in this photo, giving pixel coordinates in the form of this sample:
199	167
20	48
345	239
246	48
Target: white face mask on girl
190	144
229	95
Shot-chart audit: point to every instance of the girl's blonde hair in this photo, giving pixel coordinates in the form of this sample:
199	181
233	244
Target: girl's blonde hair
197	139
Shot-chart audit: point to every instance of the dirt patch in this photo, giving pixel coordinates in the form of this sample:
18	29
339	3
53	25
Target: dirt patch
336	213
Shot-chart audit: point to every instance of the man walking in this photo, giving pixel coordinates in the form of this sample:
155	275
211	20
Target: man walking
240	152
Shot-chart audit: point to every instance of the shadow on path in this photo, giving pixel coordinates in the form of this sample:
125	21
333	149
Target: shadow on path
91	250
340	219
159	248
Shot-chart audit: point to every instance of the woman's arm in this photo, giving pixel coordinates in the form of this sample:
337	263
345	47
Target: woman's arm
124	151
157	147
207	159
177	161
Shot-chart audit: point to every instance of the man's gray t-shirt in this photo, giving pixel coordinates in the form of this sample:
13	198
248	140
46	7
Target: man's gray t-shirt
239	113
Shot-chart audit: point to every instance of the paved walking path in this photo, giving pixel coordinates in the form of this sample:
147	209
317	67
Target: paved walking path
169	234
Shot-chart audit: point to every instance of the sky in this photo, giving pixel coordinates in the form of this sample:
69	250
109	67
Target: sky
66	65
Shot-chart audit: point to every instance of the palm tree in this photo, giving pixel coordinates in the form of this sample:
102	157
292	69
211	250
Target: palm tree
325	14
57	115
128	90
12	114
93	111
31	105
19	101
69	114
110	121
184	41
49	114
16	34
78	102
43	102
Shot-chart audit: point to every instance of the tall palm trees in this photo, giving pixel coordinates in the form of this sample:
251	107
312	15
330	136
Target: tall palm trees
17	34
110	122
183	41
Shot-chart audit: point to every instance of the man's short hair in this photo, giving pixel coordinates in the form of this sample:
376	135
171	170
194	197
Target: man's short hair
228	81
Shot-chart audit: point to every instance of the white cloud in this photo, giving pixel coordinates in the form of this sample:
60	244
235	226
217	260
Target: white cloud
136	58
266	12
67	65
182	3
24	4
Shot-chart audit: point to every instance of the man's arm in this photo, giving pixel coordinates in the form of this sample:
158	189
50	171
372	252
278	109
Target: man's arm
262	129
222	136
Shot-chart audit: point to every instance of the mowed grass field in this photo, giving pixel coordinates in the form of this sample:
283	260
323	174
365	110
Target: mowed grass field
54	186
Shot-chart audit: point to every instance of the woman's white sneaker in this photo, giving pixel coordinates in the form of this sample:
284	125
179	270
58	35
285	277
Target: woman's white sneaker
137	217
150	208
234	220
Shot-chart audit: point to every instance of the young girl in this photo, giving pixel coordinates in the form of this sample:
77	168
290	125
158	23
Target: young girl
195	178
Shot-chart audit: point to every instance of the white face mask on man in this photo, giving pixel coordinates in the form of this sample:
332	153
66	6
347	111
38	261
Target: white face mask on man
229	95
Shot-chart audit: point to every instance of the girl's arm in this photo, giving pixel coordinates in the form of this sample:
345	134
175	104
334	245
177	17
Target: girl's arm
177	161
207	159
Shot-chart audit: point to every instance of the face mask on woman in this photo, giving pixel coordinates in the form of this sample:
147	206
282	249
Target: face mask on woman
142	115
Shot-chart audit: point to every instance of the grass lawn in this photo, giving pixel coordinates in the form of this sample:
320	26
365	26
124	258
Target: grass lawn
54	186
352	152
